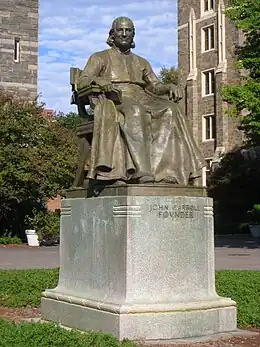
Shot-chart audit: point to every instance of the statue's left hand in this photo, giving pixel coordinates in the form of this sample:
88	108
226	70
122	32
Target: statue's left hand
175	93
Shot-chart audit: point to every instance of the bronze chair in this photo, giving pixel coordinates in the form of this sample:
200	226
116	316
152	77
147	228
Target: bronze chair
84	130
82	98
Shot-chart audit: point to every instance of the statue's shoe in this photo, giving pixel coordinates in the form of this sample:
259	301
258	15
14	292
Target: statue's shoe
118	183
146	179
169	179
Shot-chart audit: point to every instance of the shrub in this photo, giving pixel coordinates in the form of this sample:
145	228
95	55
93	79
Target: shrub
46	224
7	240
254	214
235	188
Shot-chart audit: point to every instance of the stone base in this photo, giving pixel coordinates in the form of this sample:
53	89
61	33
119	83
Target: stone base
145	189
207	339
187	320
139	267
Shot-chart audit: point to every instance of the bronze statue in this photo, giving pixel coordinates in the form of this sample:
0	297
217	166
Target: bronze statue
139	134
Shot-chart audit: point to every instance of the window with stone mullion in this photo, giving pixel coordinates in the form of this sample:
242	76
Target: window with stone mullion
208	5
206	33
207	83
212	37
209	38
212	77
208	125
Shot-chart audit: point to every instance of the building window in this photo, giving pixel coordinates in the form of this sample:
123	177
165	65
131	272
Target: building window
208	82
208	38
208	5
208	127
17	50
206	172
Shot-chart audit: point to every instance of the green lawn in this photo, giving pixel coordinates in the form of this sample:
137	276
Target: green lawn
49	335
23	288
244	288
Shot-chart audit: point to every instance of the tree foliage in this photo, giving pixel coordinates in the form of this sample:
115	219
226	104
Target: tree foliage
70	120
170	75
245	97
38	158
234	185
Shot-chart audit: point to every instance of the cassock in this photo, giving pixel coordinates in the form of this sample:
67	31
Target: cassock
146	135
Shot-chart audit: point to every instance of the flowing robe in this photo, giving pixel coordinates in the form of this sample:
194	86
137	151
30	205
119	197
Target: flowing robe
144	136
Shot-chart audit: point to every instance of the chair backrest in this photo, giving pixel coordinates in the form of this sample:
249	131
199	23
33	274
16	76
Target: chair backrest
74	77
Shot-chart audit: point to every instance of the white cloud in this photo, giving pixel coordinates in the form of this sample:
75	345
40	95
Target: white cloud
72	30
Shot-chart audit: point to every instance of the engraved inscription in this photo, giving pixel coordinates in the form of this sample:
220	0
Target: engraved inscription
182	211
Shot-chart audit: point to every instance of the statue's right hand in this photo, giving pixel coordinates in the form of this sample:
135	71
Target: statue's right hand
175	93
105	85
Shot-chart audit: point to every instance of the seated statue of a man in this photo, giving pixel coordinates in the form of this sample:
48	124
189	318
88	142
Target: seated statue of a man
145	138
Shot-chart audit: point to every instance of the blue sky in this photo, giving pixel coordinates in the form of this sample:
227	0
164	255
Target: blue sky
71	30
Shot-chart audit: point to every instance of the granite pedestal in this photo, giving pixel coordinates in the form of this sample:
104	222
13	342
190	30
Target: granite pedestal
139	266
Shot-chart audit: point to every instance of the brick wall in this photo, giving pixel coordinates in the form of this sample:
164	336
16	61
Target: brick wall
19	20
54	204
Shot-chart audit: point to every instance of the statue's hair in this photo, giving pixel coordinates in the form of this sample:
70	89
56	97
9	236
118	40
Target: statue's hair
110	40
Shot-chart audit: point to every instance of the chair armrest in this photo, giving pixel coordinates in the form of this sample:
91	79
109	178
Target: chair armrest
85	128
95	91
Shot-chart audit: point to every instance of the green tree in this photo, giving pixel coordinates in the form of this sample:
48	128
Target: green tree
38	157
70	120
234	185
170	75
244	98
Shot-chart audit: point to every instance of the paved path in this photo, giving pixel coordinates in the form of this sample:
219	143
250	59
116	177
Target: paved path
237	252
231	253
237	258
26	258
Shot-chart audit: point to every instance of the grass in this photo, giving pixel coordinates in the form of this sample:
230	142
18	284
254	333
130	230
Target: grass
23	288
43	335
244	288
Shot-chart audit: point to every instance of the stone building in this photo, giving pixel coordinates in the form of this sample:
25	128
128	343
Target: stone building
206	57
19	46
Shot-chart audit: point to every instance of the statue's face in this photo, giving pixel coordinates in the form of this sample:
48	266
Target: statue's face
123	34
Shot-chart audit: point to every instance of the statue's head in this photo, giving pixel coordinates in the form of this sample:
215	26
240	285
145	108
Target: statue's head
122	34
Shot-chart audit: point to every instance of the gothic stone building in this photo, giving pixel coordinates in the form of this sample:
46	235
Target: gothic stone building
19	46
206	57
